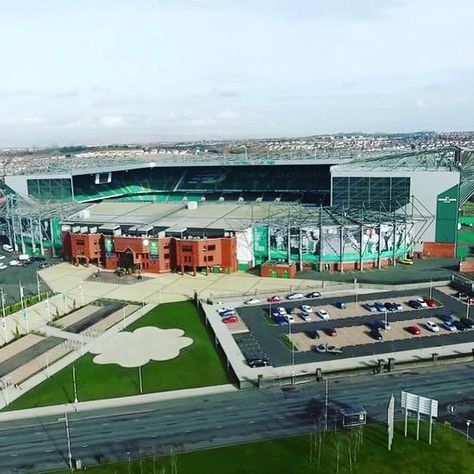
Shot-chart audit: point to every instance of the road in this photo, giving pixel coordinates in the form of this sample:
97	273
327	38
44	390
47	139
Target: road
220	419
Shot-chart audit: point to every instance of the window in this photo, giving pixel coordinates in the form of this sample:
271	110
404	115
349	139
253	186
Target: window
187	248
211	247
80	242
209	258
166	256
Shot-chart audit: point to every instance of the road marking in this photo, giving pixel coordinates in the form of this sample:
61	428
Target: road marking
38	433
251	422
48	450
84	445
15	454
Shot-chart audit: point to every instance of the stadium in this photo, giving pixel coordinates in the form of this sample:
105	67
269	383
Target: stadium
279	213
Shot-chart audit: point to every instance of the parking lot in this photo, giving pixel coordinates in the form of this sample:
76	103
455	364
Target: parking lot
12	275
353	325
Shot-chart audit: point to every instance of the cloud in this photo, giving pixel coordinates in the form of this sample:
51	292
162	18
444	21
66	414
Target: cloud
112	121
137	348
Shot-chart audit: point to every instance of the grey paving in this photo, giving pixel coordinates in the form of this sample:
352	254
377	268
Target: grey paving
28	354
101	313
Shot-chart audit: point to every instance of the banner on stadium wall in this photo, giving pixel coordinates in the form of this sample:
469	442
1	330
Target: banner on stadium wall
278	243
260	242
56	238
154	249
109	246
310	243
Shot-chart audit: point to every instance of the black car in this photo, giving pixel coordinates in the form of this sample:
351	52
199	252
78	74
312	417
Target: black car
415	304
459	325
37	258
468	323
375	334
390	307
258	362
44	265
312	334
313	294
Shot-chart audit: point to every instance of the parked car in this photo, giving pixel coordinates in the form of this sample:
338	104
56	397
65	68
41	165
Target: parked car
305	316
398	306
281	310
229	312
8	248
379	306
331	332
370	307
459	325
3	266
280	320
321	348
312	334
446	317
468	323
390	307
461	295
415	304
422	302
289	317
449	326
334	350
295	296
406	261
230	319
433	327
385	325
313	294
323	314
377	335
470	301
341	305
306	308
415	330
14	263
274	299
258	362
253	301
226	309
431	303
44	265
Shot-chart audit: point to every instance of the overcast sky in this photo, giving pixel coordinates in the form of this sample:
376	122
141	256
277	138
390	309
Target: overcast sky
109	71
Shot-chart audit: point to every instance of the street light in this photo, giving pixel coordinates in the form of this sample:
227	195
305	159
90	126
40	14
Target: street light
468	422
5	381
68	440
140	379
74	383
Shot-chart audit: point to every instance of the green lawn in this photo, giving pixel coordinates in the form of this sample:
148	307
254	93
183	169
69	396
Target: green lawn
198	365
325	454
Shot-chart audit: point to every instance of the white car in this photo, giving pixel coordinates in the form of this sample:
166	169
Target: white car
281	310
295	296
226	309
14	263
323	314
2	257
449	326
433	327
289	317
422	302
253	301
305	316
3	266
306	308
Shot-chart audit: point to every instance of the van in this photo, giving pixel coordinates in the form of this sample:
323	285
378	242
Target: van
7	248
24	257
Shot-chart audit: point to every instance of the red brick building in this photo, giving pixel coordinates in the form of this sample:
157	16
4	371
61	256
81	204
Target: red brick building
152	254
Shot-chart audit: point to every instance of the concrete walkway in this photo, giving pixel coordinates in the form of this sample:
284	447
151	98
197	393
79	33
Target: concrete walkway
69	336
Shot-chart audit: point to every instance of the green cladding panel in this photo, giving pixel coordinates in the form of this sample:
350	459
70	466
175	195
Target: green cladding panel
447	215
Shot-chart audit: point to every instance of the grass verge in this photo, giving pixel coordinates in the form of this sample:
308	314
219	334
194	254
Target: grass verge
197	365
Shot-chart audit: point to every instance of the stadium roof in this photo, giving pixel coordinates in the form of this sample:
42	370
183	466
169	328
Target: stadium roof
430	160
229	216
96	163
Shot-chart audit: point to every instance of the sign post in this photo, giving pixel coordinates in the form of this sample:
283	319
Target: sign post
422	406
390	421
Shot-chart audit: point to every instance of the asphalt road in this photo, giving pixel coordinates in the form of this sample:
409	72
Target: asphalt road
269	337
222	419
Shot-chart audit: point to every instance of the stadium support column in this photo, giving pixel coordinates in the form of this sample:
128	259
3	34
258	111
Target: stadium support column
394	238
379	244
269	251
321	237
33	244
341	249
361	245
288	238
300	246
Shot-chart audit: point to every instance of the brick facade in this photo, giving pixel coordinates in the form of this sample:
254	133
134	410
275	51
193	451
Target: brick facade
150	254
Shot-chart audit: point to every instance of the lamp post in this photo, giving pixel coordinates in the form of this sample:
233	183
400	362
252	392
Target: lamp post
74	383
68	440
140	379
5	381
468	423
4	314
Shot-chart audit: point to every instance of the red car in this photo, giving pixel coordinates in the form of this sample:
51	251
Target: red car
415	330
274	299
431	303
331	332
230	319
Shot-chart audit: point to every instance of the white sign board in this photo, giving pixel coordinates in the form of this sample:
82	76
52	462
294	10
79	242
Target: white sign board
422	405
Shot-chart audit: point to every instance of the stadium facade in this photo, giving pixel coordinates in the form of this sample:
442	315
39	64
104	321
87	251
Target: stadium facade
281	213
